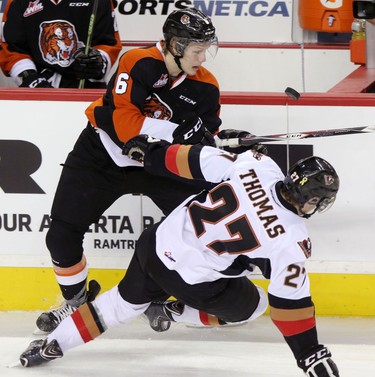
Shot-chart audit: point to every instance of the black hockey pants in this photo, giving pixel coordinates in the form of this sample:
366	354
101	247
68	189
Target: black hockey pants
90	183
147	279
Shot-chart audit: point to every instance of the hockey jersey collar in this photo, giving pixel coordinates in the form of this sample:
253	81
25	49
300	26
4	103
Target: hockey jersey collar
275	191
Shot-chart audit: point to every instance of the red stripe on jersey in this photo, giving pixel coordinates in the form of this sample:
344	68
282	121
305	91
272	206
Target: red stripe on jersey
289	328
171	158
81	327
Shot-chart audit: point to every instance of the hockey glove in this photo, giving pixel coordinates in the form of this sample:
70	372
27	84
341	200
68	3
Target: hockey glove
137	147
192	131
231	134
89	66
33	79
318	363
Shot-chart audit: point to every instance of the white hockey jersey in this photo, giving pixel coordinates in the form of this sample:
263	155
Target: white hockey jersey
239	223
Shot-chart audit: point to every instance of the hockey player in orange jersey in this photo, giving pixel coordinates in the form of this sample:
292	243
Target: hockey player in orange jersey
43	43
162	90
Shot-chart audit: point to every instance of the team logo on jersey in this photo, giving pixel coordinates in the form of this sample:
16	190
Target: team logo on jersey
33	7
162	81
155	108
168	254
306	247
58	41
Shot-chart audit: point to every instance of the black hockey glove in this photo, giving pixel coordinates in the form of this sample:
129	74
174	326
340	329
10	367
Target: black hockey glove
192	131
33	79
89	66
231	134
318	363
137	147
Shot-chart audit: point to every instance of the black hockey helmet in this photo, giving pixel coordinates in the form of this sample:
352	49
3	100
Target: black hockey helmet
187	26
314	181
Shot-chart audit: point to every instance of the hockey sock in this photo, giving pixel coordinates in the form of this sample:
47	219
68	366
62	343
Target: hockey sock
80	327
72	280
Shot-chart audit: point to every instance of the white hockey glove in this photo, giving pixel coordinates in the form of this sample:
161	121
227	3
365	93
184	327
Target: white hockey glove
318	363
137	147
192	131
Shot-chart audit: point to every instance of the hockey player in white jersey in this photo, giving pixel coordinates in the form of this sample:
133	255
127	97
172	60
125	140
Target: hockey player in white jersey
201	253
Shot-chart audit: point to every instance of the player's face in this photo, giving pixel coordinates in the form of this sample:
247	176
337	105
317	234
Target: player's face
195	55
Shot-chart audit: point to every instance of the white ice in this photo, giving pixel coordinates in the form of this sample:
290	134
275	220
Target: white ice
134	350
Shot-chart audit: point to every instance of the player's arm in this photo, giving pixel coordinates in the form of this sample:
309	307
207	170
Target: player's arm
295	318
121	112
14	53
134	112
123	109
209	109
186	161
106	38
95	63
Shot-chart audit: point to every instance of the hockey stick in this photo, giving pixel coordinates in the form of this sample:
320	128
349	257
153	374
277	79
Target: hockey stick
295	95
251	140
89	35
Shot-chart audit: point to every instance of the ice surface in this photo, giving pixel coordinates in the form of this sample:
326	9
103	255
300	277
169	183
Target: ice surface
134	350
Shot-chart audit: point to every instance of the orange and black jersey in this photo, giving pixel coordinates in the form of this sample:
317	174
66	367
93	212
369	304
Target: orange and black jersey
141	97
45	34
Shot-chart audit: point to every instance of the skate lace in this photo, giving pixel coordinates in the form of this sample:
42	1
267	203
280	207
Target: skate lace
63	312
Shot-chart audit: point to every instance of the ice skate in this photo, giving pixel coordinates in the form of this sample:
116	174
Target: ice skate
39	352
159	314
48	321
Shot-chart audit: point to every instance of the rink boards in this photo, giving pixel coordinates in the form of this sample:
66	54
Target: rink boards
40	131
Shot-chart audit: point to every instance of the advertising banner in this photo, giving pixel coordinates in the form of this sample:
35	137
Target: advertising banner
235	20
36	136
35	139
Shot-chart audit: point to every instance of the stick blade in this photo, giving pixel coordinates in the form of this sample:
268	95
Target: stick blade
369	129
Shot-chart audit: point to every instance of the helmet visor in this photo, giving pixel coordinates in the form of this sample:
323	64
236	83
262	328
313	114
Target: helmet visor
325	204
316	204
192	47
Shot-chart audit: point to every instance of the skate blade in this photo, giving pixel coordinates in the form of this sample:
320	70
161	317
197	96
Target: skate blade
194	326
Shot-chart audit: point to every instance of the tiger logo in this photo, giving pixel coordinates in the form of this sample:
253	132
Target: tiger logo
155	108
58	41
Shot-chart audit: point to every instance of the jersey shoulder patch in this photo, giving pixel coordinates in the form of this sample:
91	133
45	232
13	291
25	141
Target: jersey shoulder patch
306	247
